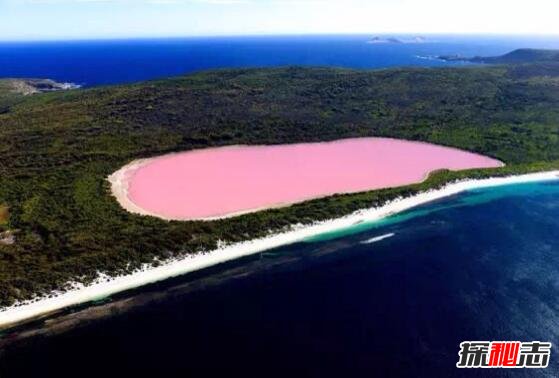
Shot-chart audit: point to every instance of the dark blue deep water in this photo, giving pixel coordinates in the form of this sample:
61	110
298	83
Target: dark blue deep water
92	63
479	266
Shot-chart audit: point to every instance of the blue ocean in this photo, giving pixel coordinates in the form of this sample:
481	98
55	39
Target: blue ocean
388	299
92	63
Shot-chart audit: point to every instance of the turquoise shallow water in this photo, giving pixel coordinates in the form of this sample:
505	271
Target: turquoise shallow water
482	265
473	197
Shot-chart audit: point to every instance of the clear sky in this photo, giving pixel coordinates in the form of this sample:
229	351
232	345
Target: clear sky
76	19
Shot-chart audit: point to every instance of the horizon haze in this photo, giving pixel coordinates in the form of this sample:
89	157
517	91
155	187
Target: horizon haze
113	19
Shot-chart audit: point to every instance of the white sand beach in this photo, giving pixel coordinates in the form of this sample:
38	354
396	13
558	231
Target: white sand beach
105	286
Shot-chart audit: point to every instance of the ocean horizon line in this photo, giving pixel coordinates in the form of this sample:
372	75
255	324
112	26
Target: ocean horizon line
270	35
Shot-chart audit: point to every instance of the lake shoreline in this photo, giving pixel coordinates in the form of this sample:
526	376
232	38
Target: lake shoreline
310	184
105	286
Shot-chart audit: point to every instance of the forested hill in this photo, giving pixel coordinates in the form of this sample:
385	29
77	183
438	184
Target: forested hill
59	222
520	56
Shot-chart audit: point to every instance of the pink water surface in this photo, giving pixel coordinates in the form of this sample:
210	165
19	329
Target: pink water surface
218	182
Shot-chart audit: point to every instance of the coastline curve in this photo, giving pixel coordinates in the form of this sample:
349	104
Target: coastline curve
105	286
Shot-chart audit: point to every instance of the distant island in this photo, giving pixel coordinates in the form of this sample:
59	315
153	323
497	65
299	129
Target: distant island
376	40
392	40
61	228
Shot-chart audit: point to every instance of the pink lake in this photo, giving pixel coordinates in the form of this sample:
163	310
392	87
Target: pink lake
220	182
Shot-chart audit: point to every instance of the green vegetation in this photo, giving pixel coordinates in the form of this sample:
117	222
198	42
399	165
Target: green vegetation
8	95
4	216
522	56
58	148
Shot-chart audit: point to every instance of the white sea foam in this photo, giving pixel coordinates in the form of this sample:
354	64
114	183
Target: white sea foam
67	86
377	238
105	286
